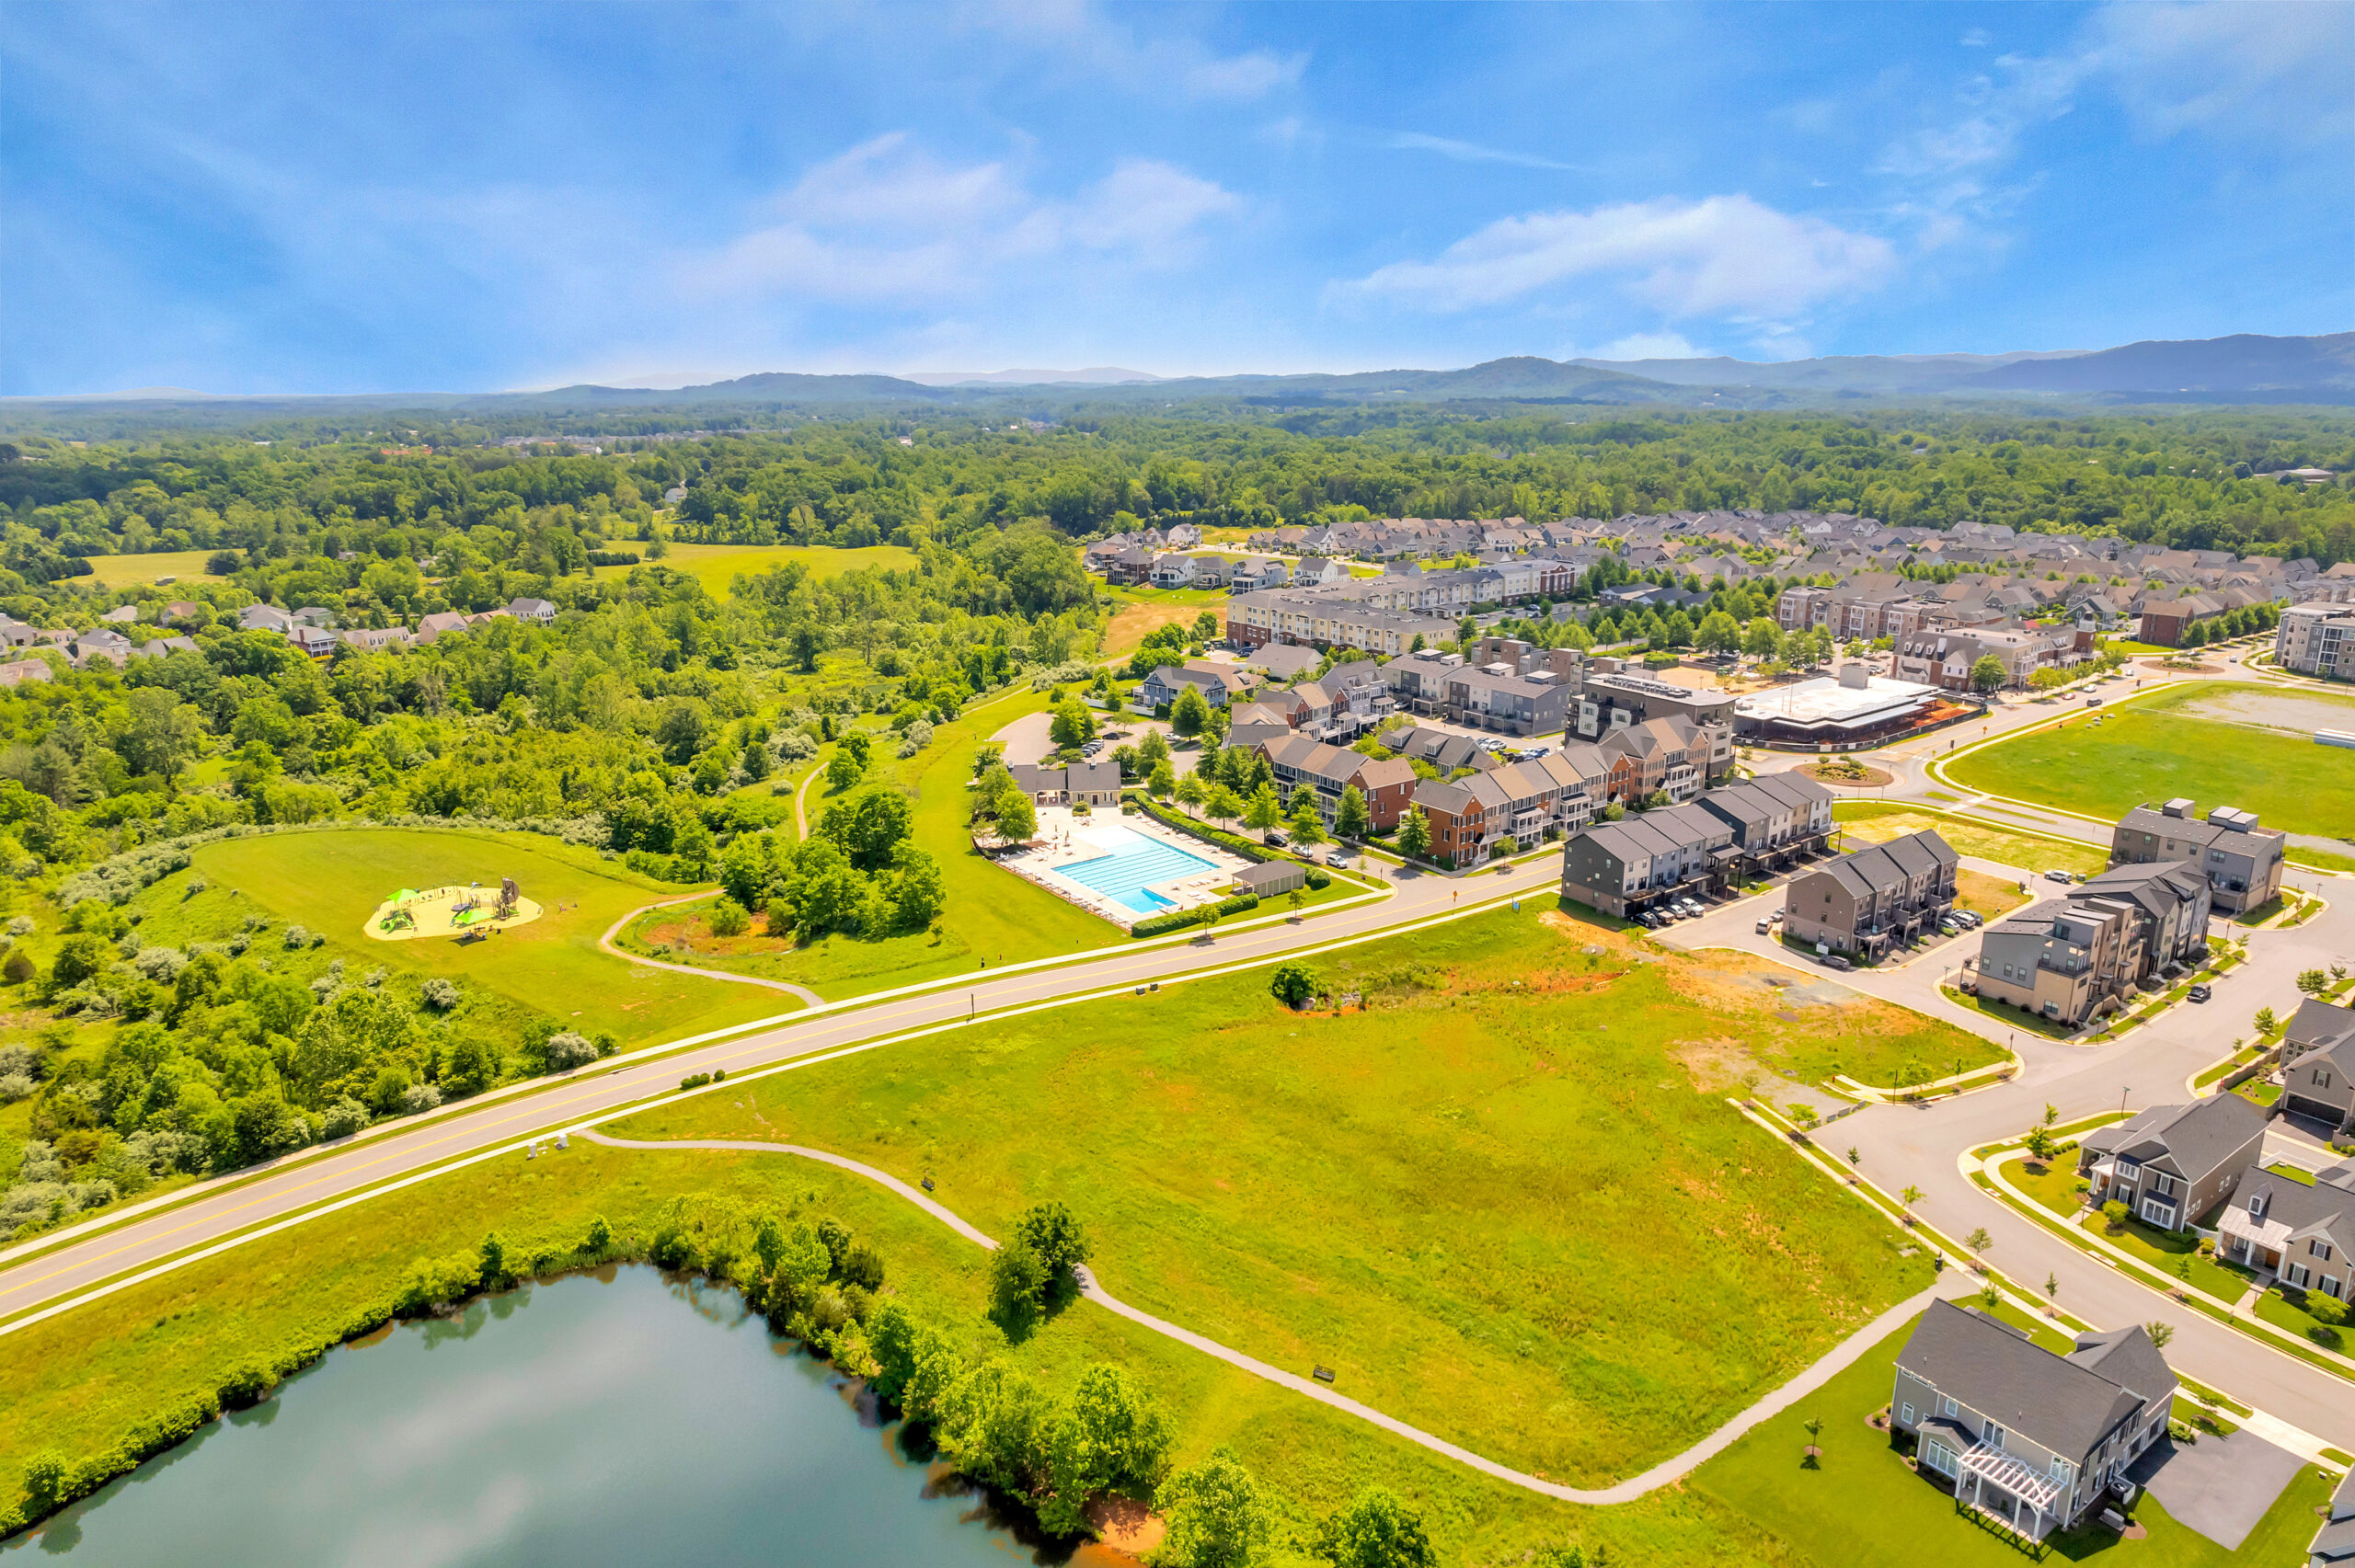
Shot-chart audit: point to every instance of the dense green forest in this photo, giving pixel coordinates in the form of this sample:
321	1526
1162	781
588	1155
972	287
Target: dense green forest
2183	479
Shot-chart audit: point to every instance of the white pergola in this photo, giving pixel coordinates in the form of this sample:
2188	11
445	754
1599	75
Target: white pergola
1984	1464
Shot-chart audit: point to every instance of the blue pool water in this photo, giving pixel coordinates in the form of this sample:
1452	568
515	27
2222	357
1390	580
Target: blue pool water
1134	861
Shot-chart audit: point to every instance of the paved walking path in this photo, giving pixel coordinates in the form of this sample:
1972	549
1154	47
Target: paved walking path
1951	1283
607	942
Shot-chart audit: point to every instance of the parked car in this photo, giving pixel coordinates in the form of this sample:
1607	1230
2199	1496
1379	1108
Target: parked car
1969	919
1338	857
1273	840
1766	925
1833	961
2056	876
2093	702
2200	993
1947	928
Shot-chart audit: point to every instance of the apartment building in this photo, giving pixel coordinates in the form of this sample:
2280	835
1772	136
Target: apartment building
1388	785
1441	685
1776	819
1470	817
1322	620
2243	861
2317	640
1623	868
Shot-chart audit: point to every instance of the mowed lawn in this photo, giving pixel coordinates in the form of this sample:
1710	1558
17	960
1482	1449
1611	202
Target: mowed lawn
991	916
1876	821
330	881
2147	752
716	566
1495	1202
1863	1508
123	571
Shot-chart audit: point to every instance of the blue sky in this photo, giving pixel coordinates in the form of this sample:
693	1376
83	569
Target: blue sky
332	198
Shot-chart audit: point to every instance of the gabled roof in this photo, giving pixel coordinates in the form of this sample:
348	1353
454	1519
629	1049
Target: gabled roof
2318	1026
2066	1405
2189	1140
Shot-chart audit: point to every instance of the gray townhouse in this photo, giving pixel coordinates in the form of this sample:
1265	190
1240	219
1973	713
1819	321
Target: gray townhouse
2304	1235
1869	901
1443	686
1777	819
1611	699
1442	749
2242	861
2319	1082
2170	902
2171	1164
2033	1440
2058	959
1623	868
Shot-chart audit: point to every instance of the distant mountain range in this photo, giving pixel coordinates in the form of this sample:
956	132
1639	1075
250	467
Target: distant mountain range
2242	369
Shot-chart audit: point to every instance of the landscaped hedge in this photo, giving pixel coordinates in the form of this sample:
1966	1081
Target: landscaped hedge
1234	843
1178	919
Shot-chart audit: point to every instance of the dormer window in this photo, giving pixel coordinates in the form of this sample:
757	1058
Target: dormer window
2256	1206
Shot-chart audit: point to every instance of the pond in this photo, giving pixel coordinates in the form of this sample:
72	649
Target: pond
622	1418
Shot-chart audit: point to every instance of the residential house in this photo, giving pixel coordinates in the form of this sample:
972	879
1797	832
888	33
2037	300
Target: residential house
2164	620
441	621
2319	1080
182	611
16	634
16	672
1254	573
1173	571
378	639
2059	958
2031	1438
1283	662
538	612
2304	1235
121	615
1442	749
1128	566
99	643
1623	868
264	618
315	615
317	642
1388	785
2169	903
2243	861
1217	683
1869	901
2317	640
2171	1164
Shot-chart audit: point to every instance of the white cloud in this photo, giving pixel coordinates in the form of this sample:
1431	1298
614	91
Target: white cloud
1467	152
1649	346
886	223
1977	37
1109	51
2250	68
1721	255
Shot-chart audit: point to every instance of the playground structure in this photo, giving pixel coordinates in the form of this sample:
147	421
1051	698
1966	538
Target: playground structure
469	914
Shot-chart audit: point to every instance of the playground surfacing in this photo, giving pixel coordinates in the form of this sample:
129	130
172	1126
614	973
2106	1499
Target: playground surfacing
410	914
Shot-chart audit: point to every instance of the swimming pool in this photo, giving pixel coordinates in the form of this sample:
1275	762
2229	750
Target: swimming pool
1133	862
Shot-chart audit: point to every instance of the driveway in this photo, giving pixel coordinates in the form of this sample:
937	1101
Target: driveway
2219	1486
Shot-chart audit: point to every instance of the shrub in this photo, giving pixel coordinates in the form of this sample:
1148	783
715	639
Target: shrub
1292	984
419	1097
18	968
1319	878
694	1081
2327	1310
439	993
345	1117
568	1050
730	918
1178	919
297	937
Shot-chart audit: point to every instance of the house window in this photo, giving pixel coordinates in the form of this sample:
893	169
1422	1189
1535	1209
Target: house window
1939	1458
1992	1435
2328	1285
1950	1408
2297	1274
1905	1414
2320	1249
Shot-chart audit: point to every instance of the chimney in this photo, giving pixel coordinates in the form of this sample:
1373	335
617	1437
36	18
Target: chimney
2175	808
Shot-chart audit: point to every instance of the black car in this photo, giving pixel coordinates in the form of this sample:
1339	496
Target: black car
2199	993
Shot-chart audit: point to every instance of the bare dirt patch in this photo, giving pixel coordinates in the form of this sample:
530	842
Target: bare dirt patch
1850	775
1126	1525
2294	712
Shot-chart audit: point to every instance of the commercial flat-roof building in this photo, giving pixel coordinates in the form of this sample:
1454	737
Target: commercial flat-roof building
1855	705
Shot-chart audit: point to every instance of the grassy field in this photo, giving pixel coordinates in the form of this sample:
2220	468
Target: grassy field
125	571
1878	821
1464	1200
1142	609
714	565
1863	1508
990	915
330	881
1986	896
2055	1187
2148	749
78	1381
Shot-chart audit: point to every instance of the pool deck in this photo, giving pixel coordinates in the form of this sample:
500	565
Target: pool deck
1065	839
